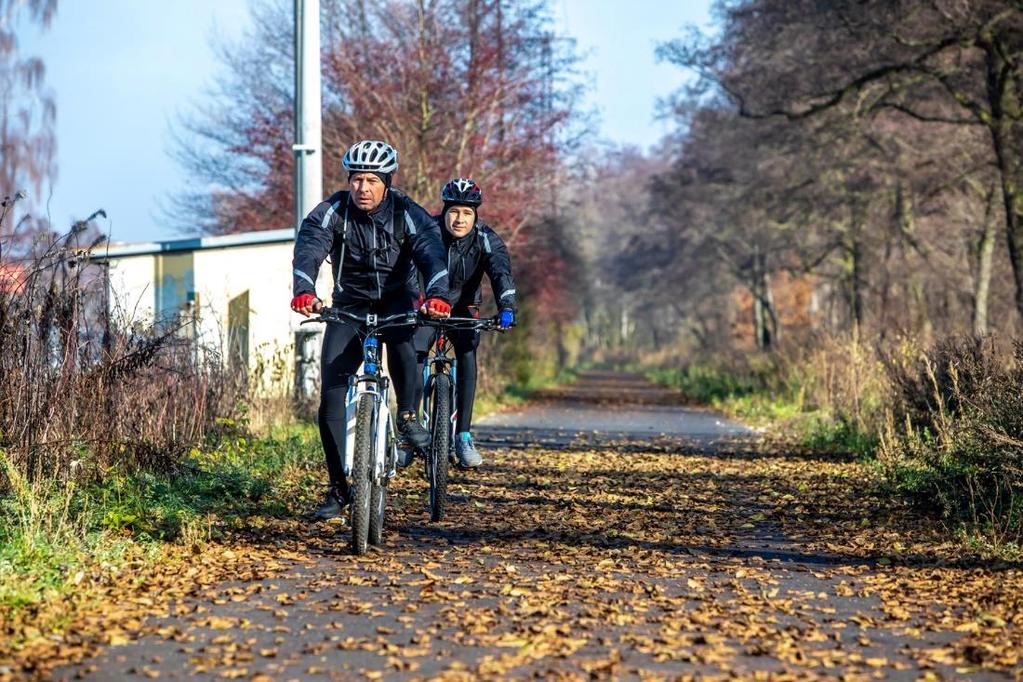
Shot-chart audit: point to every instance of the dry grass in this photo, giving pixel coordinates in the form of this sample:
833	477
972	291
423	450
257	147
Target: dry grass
955	436
945	423
80	396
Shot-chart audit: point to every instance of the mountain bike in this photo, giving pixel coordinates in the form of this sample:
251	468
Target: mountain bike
370	443
439	405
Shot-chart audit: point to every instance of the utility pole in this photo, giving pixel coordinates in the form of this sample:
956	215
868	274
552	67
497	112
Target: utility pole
308	135
308	149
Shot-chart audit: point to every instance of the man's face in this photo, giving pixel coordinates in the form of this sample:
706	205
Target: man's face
367	190
459	220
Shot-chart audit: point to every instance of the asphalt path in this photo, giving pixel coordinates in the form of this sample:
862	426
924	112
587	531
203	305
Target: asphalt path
612	533
608	408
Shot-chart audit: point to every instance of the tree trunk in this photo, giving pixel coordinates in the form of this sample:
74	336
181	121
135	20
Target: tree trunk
920	298
772	312
500	66
985	259
856	283
562	350
420	181
474	42
760	334
1004	109
765	322
902	225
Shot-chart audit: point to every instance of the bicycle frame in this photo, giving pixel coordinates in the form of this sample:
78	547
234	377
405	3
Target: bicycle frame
440	361
371	380
439	395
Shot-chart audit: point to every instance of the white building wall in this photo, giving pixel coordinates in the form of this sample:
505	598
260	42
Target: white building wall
220	275
262	270
133	294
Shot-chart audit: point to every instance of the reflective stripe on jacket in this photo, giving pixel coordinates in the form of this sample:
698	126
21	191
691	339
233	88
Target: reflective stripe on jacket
373	255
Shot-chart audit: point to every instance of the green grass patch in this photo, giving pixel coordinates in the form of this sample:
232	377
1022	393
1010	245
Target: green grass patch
836	436
524	389
518	392
50	534
705	384
763	398
745	396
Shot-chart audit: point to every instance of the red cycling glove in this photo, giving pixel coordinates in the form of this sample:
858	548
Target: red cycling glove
436	307
305	302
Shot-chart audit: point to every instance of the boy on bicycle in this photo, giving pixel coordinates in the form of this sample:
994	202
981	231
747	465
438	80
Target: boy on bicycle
376	238
473	249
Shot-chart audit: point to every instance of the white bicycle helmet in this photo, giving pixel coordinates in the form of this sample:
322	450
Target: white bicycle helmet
370	156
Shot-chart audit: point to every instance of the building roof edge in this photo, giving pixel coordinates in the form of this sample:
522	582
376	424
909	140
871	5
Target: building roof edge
226	241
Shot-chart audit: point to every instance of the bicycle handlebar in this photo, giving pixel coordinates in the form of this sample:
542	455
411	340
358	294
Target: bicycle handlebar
338	316
474	323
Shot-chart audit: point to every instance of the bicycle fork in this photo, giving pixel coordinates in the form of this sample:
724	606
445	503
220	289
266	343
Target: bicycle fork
370	383
433	365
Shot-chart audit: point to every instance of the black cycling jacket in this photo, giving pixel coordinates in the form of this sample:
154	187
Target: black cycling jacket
481	251
371	260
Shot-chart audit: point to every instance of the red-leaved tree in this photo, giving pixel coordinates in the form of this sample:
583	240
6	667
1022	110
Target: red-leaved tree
479	88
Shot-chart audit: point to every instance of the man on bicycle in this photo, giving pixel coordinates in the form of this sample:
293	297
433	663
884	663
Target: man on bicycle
376	237
473	249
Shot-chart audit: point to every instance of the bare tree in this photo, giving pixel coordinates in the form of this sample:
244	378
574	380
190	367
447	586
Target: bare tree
27	111
943	62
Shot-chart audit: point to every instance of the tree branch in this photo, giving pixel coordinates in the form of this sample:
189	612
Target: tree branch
928	118
836	96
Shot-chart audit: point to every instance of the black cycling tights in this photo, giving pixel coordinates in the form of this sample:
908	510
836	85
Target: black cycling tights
341	357
465	391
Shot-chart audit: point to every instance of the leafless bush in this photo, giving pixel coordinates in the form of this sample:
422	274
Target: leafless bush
79	396
955	438
939	380
271	397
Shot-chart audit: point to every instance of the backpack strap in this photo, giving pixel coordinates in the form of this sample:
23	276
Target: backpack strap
402	222
335	208
339	208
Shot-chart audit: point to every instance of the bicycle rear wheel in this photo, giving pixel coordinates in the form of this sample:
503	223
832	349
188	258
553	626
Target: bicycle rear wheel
437	461
362	475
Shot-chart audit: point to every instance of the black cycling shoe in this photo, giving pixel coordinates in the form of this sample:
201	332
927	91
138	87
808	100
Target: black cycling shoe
333	506
412	431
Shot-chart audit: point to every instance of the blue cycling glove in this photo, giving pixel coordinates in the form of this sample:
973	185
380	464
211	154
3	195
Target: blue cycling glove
506	318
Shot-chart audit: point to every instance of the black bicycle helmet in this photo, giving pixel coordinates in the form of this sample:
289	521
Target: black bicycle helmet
462	191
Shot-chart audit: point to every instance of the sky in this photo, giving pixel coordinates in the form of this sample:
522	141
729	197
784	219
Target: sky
123	73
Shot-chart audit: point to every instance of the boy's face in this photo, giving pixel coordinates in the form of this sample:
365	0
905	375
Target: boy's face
459	220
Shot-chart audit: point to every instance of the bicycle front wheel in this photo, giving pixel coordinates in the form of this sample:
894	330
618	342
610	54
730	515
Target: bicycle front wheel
437	462
362	474
378	493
